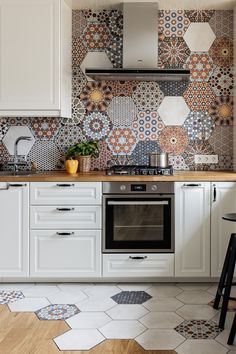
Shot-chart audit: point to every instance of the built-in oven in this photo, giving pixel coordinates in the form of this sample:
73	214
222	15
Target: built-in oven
138	217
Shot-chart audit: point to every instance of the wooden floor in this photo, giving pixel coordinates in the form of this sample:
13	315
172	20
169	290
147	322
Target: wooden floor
23	333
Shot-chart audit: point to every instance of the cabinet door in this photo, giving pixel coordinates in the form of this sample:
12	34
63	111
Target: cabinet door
192	233
70	253
223	201
14	237
29	54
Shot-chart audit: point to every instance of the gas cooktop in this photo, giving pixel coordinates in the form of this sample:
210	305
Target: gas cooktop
136	170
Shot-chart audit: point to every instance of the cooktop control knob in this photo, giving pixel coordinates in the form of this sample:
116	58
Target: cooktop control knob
154	187
122	187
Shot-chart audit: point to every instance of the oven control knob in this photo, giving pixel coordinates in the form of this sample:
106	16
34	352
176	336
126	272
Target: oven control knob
122	187
154	187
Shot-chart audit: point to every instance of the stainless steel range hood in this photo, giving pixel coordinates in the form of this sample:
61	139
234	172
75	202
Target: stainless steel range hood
140	49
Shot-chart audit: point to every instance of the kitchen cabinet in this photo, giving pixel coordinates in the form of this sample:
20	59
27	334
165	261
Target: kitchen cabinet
192	229
223	201
35	58
14	237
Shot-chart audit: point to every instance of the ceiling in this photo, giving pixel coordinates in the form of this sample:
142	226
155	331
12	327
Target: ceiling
163	4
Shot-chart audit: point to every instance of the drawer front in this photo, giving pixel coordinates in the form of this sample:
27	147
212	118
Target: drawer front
74	254
56	193
61	217
125	265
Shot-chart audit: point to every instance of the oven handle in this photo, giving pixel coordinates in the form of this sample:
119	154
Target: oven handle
163	202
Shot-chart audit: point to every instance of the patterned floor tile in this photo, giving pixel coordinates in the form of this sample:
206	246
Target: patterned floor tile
147	125
200	66
96	96
96	125
199	96
45	128
10	296
199	125
79	339
221	110
57	312
96	36
105	155
221	140
222	51
173	88
173	140
199	15
198	329
122	111
173	52
131	297
142	150
222	23
222	81
172	23
121	141
147	95
46	155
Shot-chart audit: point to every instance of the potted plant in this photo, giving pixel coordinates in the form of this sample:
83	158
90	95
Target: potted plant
84	151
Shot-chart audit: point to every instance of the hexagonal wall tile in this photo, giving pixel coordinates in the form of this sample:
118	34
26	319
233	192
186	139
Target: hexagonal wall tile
196	41
82	339
15	132
97	60
122	110
173	110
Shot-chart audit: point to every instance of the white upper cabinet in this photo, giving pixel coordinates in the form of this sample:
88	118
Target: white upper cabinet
35	57
223	202
192	229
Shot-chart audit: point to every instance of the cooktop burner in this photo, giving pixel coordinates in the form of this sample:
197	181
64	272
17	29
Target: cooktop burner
132	170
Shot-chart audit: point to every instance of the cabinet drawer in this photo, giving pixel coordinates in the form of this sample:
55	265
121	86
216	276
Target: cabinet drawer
71	193
76	254
71	217
124	265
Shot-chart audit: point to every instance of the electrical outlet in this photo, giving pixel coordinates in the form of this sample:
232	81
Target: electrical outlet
207	159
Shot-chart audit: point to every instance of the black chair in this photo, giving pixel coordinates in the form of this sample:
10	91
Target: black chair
226	281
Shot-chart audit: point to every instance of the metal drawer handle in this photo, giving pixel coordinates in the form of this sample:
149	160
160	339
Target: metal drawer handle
191	185
17	185
65	185
138	257
65	233
65	209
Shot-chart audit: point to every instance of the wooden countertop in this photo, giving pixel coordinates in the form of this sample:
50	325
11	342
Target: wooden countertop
100	176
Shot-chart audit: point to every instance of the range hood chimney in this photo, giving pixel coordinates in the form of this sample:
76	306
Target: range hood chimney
140	49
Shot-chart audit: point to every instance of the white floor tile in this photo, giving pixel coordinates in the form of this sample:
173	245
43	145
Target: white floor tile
164	290
127	312
16	286
197	312
163	320
165	339
74	287
85	320
28	304
194	286
66	297
82	339
134	286
201	346
168	304
41	290
228	320
223	338
96	304
102	290
199	297
122	329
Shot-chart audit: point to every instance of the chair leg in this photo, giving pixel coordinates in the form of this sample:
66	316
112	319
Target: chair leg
223	276
229	279
232	332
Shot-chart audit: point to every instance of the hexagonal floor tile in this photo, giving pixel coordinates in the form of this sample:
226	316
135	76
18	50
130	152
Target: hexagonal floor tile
166	339
198	329
14	133
173	110
97	60
194	286
96	304
67	297
222	338
196	312
127	312
122	329
74	287
10	296
81	339
85	320
102	290
131	297
15	286
28	304
161	320
164	290
194	38
41	290
57	312
196	346
168	304
228	321
134	286
195	297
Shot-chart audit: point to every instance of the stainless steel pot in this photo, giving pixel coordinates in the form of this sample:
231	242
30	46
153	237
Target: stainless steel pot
158	159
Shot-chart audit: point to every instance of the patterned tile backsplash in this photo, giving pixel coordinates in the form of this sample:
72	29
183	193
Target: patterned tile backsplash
187	120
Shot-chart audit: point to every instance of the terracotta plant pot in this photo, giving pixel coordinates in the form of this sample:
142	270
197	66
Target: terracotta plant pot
84	163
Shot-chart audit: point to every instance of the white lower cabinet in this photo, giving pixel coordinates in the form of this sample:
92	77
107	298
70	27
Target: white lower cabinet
14	237
65	253
192	229
138	265
223	201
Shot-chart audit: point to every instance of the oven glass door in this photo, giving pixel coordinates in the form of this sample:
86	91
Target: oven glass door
138	224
